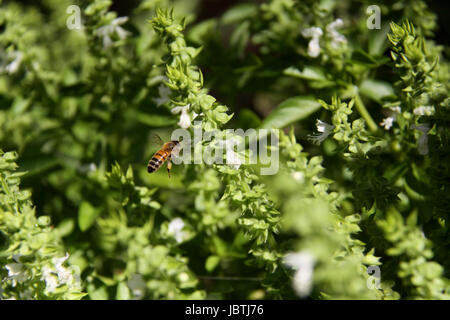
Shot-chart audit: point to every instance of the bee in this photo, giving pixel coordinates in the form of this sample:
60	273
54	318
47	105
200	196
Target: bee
164	154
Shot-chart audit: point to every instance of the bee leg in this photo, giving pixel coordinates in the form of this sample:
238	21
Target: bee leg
169	166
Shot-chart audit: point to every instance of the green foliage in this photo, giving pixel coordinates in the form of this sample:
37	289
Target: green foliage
364	174
32	253
290	111
414	250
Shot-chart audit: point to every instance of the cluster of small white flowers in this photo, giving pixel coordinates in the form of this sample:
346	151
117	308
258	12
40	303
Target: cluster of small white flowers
424	111
16	273
14	60
175	228
389	121
396	109
53	277
185	119
315	33
325	130
313	46
303	263
106	32
337	39
59	275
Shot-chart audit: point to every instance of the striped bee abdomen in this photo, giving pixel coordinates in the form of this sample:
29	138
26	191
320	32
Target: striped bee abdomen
157	160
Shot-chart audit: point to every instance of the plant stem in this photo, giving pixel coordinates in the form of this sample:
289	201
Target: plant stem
365	114
5	186
7	192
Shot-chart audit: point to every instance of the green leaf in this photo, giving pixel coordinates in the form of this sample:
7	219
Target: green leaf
154	120
201	30
20	105
361	57
376	90
97	293
431	270
308	73
87	215
239	37
65	227
106	280
37	163
378	40
247	119
123	293
290	111
211	263
220	246
239	12
76	295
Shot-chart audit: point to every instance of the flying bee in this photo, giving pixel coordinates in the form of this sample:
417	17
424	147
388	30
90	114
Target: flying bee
164	154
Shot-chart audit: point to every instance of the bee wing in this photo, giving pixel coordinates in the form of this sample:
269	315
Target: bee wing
156	140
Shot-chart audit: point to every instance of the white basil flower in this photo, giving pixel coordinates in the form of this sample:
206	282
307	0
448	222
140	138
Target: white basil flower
15	273
424	111
175	228
195	114
58	275
185	120
15	64
396	109
14	60
51	281
313	46
106	32
325	130
59	261
337	39
303	262
64	274
387	123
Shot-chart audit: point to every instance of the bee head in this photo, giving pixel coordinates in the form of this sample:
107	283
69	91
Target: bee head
175	143
176	146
